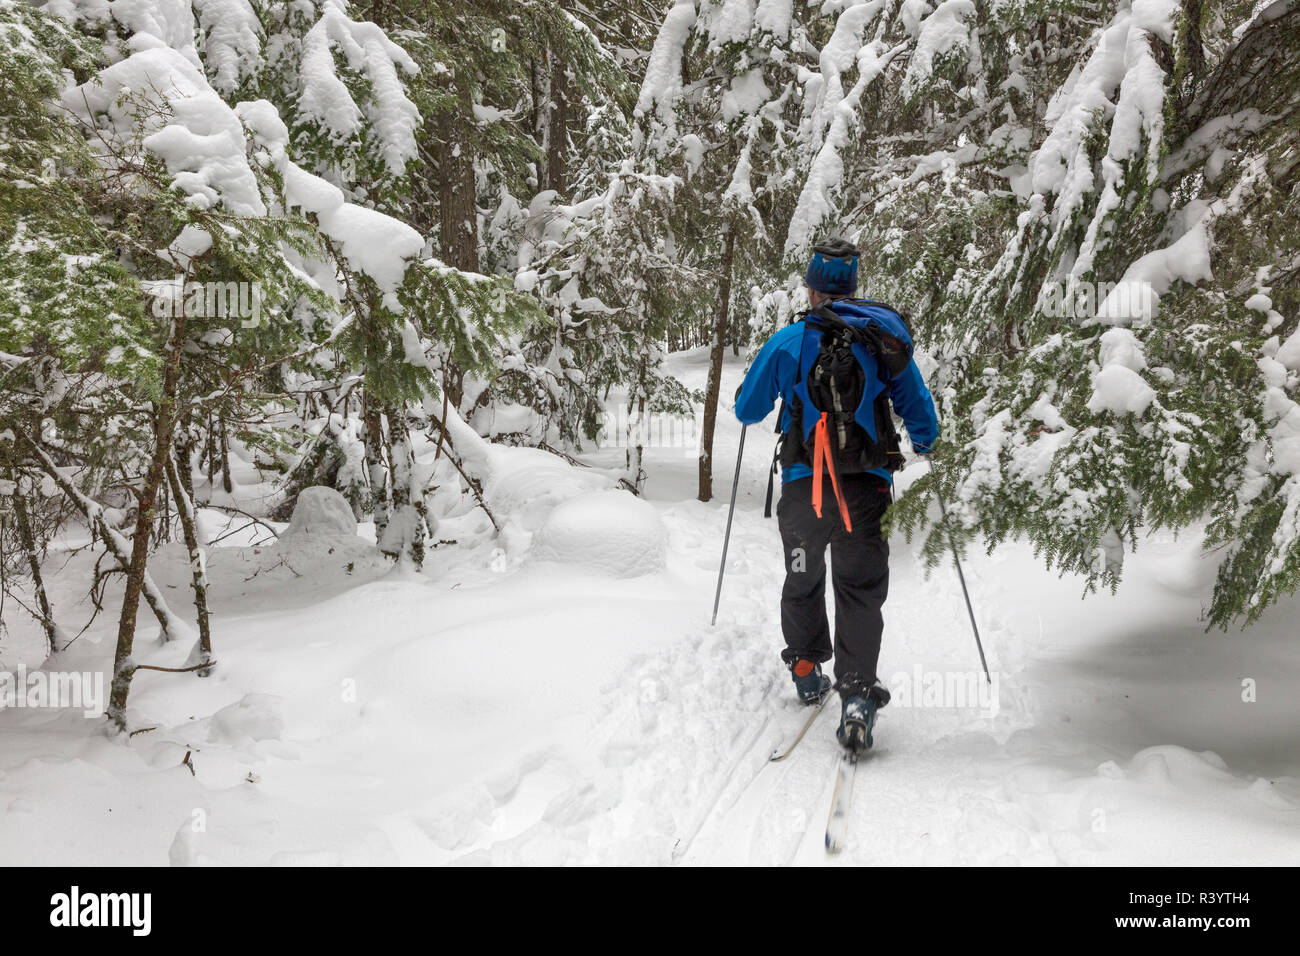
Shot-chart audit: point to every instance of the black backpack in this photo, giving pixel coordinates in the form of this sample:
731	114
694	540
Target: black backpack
836	383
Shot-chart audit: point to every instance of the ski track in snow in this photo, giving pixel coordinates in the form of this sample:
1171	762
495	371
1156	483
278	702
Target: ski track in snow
541	713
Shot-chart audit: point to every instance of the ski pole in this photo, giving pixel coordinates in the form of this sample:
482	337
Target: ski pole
726	538
961	577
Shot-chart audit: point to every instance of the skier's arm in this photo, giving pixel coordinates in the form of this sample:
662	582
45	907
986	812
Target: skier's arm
912	401
762	385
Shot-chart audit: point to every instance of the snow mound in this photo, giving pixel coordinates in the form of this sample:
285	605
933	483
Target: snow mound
526	483
253	717
612	531
321	511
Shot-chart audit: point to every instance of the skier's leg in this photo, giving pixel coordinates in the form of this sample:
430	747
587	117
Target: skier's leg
860	576
803	598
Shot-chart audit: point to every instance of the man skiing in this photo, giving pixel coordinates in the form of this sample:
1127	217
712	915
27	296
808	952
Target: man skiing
837	370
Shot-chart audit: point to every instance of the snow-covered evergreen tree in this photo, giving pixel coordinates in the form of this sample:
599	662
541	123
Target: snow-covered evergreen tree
174	189
1110	355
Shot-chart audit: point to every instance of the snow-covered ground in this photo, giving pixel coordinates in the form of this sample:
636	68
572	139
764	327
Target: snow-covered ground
556	695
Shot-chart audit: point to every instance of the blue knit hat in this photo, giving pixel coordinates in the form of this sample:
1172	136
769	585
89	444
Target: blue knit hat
834	268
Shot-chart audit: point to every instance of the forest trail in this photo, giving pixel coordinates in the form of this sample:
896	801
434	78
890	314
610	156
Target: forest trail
1076	757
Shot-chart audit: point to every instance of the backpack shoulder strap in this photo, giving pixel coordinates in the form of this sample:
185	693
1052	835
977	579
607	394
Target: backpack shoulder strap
828	318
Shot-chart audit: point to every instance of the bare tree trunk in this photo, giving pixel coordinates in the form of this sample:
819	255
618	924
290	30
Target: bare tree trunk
182	486
28	541
458	200
375	466
226	483
540	80
404	537
210	453
163	421
714	385
636	418
457	206
163	529
557	145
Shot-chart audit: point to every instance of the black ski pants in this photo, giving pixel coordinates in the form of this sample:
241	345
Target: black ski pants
859	576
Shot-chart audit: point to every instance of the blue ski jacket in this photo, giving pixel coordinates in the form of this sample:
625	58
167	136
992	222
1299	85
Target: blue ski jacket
782	365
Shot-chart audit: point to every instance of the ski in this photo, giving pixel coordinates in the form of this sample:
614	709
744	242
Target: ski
782	752
841	800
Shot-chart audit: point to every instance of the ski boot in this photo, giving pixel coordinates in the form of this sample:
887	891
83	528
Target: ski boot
809	682
858	717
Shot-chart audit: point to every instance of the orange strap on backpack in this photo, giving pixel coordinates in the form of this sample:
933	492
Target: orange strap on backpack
822	453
